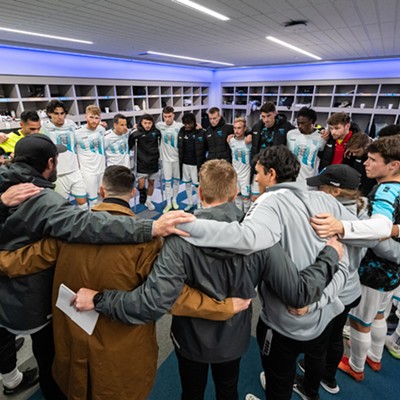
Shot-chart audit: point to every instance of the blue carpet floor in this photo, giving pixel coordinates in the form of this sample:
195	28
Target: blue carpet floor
384	384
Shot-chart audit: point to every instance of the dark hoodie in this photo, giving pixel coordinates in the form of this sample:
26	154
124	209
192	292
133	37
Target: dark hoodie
216	143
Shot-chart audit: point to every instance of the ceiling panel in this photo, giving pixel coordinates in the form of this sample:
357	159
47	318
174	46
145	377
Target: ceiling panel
336	29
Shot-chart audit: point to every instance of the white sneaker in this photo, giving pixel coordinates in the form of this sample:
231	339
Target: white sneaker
250	396
175	205
149	205
392	348
262	379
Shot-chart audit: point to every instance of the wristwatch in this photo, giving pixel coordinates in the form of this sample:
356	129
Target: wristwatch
97	298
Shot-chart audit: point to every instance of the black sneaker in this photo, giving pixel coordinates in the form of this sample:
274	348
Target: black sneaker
302	365
299	389
19	342
330	386
30	378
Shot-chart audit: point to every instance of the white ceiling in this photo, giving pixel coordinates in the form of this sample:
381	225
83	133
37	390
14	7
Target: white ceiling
337	29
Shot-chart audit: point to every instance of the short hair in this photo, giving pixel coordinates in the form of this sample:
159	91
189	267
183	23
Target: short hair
29	116
147	117
189	118
117	117
388	147
93	109
308	113
214	110
268	107
282	160
240	119
118	180
211	174
340	118
53	104
389	130
168	110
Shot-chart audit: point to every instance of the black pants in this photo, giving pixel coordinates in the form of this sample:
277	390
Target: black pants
335	346
278	357
194	379
8	353
43	350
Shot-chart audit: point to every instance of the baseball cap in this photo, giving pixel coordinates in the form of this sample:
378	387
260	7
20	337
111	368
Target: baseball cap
338	175
36	149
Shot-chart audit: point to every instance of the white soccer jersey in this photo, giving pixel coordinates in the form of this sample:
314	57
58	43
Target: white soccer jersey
306	148
169	140
241	153
68	161
117	149
90	150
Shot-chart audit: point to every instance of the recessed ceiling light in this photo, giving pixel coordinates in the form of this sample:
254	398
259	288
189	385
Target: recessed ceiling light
290	46
45	36
203	9
188	58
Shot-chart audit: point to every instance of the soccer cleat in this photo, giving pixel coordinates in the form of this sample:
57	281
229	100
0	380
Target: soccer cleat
175	205
344	366
375	366
392	348
250	396
149	205
262	379
30	378
299	389
167	208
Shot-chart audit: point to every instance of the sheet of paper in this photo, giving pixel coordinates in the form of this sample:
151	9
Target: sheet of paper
85	319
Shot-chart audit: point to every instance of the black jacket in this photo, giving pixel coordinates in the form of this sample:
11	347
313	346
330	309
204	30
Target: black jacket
26	301
191	147
219	274
147	149
263	137
216	143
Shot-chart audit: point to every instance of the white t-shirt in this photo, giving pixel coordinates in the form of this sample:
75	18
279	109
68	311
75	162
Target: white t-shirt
90	150
117	149
169	140
67	161
306	148
241	153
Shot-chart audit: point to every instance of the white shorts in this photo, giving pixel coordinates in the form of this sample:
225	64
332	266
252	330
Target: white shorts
171	171
255	189
150	177
243	185
372	302
189	174
71	184
93	183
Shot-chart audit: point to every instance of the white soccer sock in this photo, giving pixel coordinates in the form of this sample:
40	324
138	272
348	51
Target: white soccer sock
378	336
176	190
188	188
246	205
12	379
360	343
239	202
168	192
148	199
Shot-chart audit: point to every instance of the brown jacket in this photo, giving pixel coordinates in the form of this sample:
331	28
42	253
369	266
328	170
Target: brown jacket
117	360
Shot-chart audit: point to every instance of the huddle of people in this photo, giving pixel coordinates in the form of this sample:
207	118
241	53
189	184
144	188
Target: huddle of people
302	192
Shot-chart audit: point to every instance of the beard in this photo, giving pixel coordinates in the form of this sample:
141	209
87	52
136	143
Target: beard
53	176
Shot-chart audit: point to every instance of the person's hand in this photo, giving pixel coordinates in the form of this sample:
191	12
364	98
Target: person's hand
83	300
325	225
3	137
198	126
324	133
166	224
16	194
229	138
298	311
248	139
334	242
240	304
354	152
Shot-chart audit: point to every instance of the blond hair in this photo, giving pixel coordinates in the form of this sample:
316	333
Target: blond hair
93	109
217	180
240	119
